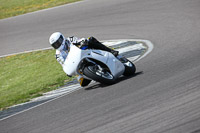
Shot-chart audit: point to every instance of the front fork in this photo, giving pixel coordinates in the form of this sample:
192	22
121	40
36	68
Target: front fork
122	59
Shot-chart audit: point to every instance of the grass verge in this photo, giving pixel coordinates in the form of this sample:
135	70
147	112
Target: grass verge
29	75
9	8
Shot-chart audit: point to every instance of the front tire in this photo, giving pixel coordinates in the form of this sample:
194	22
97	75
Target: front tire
129	68
96	74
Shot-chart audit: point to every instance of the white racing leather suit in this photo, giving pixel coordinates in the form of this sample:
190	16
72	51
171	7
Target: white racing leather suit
62	52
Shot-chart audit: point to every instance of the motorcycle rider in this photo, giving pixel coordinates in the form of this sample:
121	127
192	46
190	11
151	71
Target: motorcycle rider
62	46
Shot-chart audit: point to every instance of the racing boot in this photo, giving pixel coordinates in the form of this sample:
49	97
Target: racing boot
83	82
94	43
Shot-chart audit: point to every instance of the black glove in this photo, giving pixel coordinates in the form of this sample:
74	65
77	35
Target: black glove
81	42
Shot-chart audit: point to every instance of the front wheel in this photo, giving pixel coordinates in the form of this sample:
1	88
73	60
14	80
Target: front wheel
99	75
129	68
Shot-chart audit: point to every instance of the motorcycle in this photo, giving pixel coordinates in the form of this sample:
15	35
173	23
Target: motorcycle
97	65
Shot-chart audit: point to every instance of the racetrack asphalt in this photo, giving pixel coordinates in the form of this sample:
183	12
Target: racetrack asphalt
163	97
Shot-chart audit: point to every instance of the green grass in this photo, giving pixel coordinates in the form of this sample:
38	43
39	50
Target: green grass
28	75
9	8
25	76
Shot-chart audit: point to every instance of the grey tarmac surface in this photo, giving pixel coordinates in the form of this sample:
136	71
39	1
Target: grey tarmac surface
163	97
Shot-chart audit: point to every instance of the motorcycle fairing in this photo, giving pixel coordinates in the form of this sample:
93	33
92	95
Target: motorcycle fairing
76	56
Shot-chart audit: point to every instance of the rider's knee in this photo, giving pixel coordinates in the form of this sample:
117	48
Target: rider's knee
92	40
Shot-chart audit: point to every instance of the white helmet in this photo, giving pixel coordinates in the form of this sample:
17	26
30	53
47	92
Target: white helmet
56	40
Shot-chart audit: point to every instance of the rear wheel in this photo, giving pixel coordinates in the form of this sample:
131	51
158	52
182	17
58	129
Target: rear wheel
99	74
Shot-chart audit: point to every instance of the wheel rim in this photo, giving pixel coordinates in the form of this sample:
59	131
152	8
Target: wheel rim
97	71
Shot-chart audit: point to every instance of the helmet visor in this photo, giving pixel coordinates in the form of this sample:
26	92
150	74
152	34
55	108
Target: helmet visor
58	43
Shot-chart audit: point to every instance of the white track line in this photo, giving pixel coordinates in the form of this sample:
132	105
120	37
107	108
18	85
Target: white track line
47	9
25	52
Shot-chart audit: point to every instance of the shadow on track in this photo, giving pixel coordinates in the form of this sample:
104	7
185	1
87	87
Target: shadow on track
99	85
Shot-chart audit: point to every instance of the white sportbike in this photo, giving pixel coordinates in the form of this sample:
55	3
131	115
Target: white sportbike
97	65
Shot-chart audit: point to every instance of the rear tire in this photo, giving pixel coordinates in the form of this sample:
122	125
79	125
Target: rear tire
95	74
